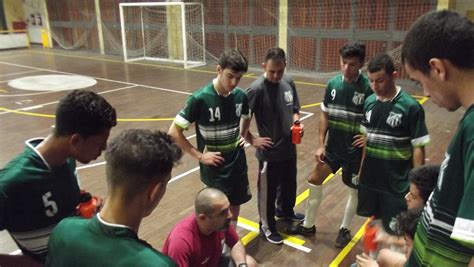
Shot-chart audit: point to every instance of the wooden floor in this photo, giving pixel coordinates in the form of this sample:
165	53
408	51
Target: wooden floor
144	91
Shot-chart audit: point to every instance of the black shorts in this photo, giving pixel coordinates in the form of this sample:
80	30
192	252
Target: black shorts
236	190
350	168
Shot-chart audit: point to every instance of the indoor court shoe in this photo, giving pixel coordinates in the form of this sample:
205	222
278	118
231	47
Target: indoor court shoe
296	217
299	229
272	236
343	238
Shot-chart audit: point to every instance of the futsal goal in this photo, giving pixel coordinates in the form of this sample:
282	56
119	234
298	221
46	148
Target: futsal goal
169	32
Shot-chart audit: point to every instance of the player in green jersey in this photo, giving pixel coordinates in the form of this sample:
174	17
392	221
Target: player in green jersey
217	110
39	187
138	168
341	115
438	52
396	136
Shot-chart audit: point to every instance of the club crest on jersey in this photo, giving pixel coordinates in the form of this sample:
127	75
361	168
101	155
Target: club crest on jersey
368	114
288	97
394	119
238	109
358	98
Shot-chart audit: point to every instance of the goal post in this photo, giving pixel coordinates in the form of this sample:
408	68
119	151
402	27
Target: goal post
168	32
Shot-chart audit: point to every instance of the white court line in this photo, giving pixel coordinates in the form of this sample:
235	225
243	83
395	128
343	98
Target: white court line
16	252
18	73
286	242
97	78
103	162
55	102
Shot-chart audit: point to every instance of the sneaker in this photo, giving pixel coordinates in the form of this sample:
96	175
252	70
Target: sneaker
272	236
343	238
299	229
296	217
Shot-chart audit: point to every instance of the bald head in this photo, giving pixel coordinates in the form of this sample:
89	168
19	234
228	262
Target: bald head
206	199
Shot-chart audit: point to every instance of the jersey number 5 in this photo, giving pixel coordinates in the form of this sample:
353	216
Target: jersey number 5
50	206
214	114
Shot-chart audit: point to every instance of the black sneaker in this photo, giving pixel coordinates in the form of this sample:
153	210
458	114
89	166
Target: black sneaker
299	229
272	236
343	238
296	217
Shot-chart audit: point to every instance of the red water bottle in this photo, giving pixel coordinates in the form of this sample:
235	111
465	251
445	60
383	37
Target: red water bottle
87	205
370	245
296	133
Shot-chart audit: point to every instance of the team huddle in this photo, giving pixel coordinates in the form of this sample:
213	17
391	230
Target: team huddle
368	126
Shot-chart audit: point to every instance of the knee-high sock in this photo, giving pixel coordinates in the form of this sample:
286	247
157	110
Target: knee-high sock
351	207
312	205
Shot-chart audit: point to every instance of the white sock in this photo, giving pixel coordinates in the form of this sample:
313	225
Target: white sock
312	205
351	207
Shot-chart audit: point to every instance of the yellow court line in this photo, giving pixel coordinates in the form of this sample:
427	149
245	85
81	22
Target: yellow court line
423	100
53	116
311	105
252	235
27	113
349	246
250	75
309	83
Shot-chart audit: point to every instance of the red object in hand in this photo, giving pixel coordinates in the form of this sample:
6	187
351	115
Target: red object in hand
370	245
87	205
296	133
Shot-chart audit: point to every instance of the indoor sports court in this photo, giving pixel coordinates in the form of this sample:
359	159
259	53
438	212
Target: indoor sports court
149	83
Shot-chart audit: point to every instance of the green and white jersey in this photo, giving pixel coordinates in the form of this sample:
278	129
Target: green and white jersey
93	242
393	128
34	197
217	121
445	234
344	104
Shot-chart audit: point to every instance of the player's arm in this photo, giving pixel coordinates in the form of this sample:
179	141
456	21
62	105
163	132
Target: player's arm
177	133
208	158
238	253
418	156
255	141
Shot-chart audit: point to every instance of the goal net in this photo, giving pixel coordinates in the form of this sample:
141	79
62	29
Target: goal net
170	32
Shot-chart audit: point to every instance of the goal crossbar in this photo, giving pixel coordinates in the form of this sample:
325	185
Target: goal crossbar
142	26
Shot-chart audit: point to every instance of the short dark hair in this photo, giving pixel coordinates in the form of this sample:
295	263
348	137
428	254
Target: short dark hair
138	157
353	49
425	178
275	54
234	60
85	113
381	62
439	34
407	221
204	201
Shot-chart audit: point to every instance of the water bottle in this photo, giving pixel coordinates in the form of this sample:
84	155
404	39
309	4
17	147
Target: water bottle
295	133
87	205
370	245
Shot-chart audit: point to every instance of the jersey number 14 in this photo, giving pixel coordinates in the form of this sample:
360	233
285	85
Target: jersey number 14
214	115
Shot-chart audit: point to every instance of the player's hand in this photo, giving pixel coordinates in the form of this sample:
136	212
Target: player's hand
262	142
363	260
302	129
100	204
320	153
359	140
242	142
212	159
